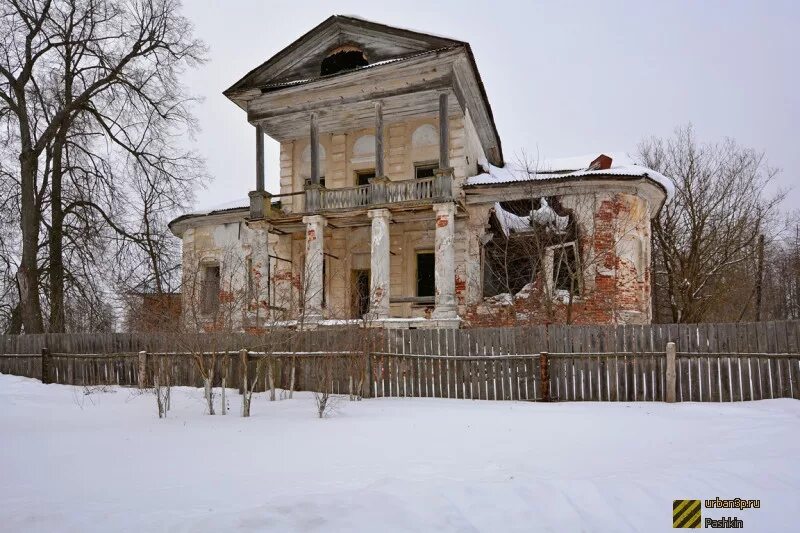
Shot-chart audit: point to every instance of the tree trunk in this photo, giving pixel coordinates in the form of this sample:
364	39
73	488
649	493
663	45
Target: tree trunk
28	274
55	239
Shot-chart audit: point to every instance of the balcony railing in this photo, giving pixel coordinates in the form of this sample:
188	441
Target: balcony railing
437	188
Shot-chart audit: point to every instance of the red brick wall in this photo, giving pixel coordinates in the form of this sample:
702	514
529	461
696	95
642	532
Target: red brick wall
613	291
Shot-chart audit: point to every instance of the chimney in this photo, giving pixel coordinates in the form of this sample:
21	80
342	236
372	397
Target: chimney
603	162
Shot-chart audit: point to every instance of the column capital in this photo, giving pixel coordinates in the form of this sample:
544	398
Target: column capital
445	208
315	219
379	213
444	172
259	225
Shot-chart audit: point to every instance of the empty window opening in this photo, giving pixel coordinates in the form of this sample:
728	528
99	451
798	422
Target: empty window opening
363	176
426	274
248	263
360	293
565	268
343	58
210	292
425	170
321	181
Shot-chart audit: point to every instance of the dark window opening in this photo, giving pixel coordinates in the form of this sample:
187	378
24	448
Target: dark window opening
565	269
360	293
508	267
321	181
426	274
425	171
343	60
210	292
363	176
248	263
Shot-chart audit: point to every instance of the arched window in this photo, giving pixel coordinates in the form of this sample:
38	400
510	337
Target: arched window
341	58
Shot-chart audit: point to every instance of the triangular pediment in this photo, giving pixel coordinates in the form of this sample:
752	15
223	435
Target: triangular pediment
302	60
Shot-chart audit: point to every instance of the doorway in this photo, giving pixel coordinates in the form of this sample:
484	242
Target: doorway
360	304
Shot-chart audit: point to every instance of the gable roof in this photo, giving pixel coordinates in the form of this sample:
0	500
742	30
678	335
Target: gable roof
300	60
299	63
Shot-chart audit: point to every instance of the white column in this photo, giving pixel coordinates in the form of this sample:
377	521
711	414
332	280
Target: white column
379	264
445	302
312	275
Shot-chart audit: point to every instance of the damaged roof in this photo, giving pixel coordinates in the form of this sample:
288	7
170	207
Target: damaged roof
567	168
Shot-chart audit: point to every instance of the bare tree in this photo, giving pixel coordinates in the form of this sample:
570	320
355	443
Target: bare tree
781	280
110	62
711	228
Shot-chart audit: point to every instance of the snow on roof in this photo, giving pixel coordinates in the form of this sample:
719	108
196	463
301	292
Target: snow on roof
225	206
581	162
569	167
509	221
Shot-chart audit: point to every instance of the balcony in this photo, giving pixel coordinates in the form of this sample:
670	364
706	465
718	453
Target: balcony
380	193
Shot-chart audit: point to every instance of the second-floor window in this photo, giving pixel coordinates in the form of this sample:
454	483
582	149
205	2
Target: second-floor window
363	176
425	170
321	181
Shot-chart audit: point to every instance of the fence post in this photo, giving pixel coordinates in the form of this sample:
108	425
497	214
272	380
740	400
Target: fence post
670	392
46	360
142	369
544	376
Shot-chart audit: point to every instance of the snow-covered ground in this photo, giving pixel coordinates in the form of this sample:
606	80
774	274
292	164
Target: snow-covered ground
105	462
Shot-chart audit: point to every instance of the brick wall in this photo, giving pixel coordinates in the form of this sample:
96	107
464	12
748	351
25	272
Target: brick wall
615	267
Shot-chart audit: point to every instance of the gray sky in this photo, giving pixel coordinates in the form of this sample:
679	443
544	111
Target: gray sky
563	78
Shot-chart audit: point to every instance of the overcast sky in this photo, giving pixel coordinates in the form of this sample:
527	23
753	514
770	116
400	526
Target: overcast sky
563	78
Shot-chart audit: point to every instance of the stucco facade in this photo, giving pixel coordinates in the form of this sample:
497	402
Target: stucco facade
388	221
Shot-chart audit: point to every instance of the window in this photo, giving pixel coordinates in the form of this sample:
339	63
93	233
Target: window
346	57
321	181
363	176
565	269
426	277
425	170
210	289
248	264
360	293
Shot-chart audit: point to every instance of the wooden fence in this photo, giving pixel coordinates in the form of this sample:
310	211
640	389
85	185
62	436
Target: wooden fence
714	362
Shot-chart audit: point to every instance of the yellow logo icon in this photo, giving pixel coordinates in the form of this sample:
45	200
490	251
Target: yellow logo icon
686	513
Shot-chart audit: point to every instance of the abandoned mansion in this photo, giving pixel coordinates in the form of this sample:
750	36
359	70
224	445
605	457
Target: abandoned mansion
397	208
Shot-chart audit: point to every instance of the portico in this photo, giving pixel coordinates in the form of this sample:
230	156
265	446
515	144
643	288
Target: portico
378	129
371	203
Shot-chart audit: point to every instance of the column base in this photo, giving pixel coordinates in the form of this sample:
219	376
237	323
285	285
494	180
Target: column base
444	313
